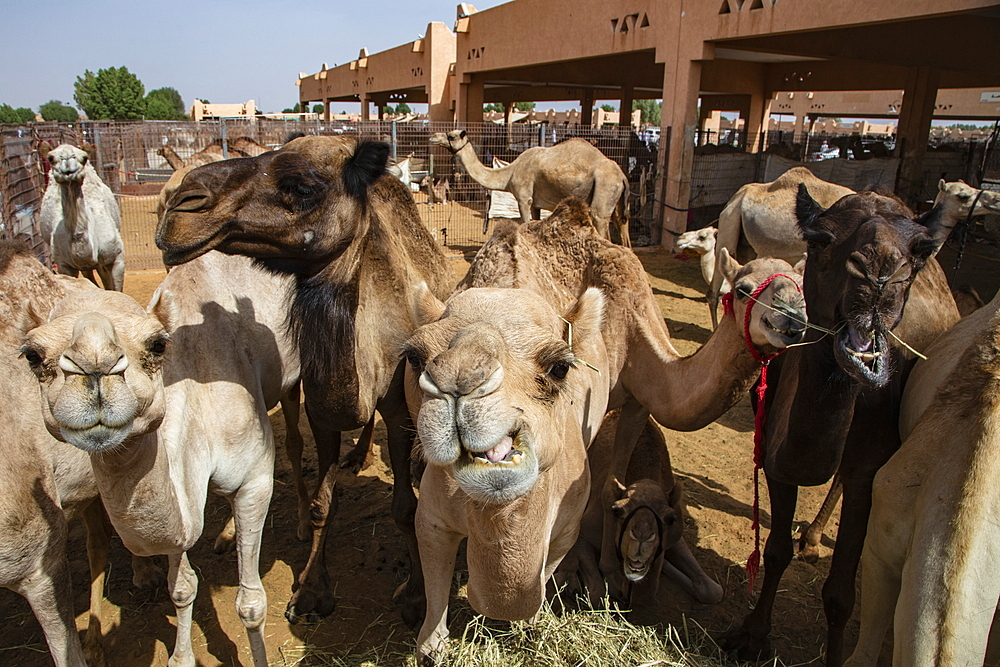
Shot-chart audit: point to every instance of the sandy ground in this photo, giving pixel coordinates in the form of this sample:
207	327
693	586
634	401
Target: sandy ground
367	557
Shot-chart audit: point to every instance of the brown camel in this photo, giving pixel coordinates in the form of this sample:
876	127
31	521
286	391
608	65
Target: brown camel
832	406
500	412
649	525
162	425
46	482
763	216
929	561
541	177
324	210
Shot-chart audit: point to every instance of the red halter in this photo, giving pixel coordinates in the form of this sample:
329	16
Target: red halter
753	562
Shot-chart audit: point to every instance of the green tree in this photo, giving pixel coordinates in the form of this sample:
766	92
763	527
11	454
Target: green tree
165	104
289	110
317	108
608	107
403	107
56	110
651	110
111	94
20	115
524	106
494	106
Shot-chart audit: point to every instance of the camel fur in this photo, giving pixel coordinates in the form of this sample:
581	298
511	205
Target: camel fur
832	406
505	407
170	404
541	177
649	526
929	558
80	219
324	210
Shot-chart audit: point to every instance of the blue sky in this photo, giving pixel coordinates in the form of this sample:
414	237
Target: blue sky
225	52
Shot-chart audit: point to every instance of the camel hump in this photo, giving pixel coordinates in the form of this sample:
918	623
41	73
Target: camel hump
572	212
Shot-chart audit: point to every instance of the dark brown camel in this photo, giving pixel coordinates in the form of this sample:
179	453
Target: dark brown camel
324	210
833	406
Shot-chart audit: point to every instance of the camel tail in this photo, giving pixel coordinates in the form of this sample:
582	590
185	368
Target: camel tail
619	217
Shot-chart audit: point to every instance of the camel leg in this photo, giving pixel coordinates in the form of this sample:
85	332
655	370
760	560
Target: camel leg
839	589
524	207
631	421
145	573
182	582
113	277
439	547
65	270
360	456
225	541
681	565
98	542
567	576
250	506
49	592
728	237
750	640
879	591
293	449
809	542
592	579
314	600
410	595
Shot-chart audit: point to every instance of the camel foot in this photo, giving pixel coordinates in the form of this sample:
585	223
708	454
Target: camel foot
412	604
745	646
93	645
309	606
808	553
146	574
357	459
304	531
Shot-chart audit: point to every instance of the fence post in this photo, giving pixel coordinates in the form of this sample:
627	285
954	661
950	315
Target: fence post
393	134
6	198
541	134
225	140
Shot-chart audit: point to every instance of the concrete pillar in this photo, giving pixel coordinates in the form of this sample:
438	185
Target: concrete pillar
625	109
587	107
756	123
326	110
800	126
470	100
365	107
919	98
681	85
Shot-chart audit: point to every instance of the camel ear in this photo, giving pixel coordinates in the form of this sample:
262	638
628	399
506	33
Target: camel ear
462	134
163	308
90	150
586	315
941	186
933	220
800	266
44	149
807	211
730	267
424	306
30	318
365	167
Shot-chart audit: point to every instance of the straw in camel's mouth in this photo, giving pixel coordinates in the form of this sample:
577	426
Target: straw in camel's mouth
864	354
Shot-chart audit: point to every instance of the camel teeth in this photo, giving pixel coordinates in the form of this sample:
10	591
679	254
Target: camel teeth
516	459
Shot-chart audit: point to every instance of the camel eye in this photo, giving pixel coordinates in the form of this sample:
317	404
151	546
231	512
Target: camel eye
304	190
158	346
415	360
559	370
32	356
743	290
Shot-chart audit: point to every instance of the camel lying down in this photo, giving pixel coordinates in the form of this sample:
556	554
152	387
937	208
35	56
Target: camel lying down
650	524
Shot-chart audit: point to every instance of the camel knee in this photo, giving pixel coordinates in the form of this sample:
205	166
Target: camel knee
184	589
251	606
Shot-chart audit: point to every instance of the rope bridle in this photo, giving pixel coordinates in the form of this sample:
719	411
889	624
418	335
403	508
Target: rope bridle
753	562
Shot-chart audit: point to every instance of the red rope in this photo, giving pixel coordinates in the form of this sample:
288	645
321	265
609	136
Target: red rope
753	562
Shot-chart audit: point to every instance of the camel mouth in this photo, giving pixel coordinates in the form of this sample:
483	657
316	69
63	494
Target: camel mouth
789	331
97	438
180	254
635	570
864	355
501	474
68	175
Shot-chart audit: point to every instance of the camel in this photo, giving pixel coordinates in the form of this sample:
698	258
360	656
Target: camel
702	243
173	403
763	215
240	147
957	200
324	210
46	483
80	219
542	177
496	373
832	406
932	544
649	525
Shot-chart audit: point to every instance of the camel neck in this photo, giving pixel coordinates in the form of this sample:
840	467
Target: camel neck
708	266
71	193
491	179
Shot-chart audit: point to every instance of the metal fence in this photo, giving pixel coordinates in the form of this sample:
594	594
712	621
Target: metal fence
456	208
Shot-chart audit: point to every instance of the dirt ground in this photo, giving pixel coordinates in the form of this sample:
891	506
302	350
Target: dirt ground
367	557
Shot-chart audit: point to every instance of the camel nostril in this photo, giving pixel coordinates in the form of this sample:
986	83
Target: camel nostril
70	366
190	201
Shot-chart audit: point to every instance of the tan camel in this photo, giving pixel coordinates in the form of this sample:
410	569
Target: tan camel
649	525
763	215
505	406
324	210
929	560
163	424
79	218
46	482
541	177
701	242
957	199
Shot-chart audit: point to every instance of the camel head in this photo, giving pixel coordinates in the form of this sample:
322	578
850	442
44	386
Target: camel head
454	141
491	383
296	209
698	241
778	314
68	162
646	525
98	361
956	198
863	254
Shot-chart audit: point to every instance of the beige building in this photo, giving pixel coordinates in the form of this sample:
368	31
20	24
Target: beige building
731	55
205	111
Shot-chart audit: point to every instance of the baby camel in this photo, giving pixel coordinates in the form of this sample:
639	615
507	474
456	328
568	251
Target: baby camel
164	424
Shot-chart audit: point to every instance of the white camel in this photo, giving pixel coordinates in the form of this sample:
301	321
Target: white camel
702	243
164	424
542	177
80	219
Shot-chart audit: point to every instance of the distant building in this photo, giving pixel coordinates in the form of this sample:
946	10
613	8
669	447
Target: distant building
205	111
